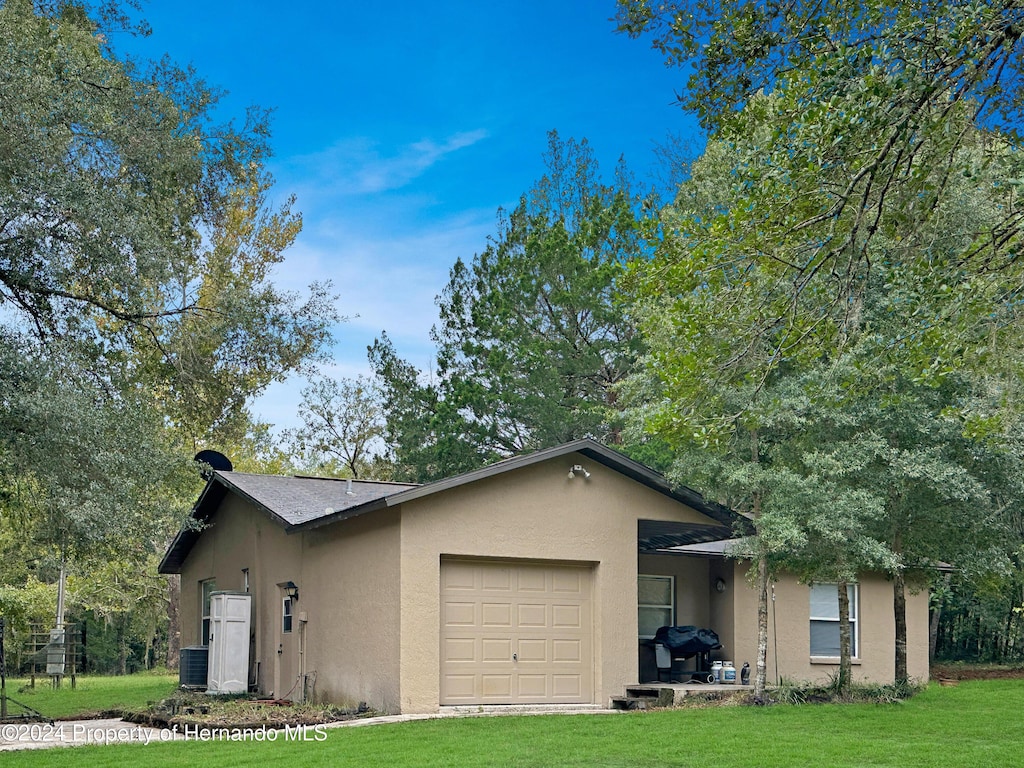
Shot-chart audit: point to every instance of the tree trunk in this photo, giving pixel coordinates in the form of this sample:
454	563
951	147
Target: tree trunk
845	639
173	621
761	672
933	631
122	644
899	607
935	621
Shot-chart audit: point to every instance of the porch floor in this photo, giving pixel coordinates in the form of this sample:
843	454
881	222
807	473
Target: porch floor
658	694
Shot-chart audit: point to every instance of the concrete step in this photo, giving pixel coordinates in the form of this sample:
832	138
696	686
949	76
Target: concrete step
627	703
643	697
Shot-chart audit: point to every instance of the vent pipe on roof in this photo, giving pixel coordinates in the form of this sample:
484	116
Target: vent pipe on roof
348	487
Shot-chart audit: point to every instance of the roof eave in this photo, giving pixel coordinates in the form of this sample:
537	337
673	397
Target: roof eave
594	451
213	493
341	514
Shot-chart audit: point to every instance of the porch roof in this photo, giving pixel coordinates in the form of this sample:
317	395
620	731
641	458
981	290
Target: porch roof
741	547
666	536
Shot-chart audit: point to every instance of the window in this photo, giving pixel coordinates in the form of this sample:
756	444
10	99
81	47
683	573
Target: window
825	619
207	588
286	615
655	597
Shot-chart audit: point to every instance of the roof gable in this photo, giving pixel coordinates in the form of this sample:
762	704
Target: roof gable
303	503
290	501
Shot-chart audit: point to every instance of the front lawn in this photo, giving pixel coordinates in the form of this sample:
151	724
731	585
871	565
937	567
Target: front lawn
971	724
92	694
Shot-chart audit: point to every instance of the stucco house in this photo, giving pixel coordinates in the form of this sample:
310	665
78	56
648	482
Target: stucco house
536	580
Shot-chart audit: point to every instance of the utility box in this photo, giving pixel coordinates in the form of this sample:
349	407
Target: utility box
228	663
193	667
55	653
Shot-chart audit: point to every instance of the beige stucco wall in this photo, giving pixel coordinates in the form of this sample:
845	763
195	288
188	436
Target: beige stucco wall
789	630
240	537
531	513
351	571
345	621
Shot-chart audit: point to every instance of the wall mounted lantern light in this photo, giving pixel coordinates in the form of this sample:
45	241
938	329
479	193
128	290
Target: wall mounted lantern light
290	590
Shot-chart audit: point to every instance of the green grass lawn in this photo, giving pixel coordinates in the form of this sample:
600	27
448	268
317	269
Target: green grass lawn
92	694
975	723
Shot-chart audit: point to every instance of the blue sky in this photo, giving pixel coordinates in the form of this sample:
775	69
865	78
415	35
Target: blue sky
402	127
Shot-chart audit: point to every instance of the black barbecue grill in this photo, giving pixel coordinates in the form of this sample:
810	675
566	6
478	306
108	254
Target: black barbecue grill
684	643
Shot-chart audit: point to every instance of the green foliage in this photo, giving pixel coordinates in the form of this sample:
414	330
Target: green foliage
25	604
799	395
905	62
876	147
795	692
856	213
135	230
427	438
981	616
531	344
139	316
89	463
342	423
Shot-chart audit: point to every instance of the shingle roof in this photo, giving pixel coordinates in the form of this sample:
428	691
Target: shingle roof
289	501
297	500
742	547
300	503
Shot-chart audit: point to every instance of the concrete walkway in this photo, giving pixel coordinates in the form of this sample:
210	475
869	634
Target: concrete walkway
488	711
76	733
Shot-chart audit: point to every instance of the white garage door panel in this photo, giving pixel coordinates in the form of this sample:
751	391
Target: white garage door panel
515	633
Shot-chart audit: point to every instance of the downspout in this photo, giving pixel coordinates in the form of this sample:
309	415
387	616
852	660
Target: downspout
302	656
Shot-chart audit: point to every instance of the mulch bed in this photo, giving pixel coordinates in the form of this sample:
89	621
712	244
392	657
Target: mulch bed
194	709
951	672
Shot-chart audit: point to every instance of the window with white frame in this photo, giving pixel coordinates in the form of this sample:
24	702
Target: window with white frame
825	619
286	615
206	588
655	598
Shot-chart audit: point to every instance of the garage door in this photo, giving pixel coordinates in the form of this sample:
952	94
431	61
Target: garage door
515	633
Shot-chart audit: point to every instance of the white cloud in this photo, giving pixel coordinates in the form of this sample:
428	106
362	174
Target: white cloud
386	250
357	166
384	281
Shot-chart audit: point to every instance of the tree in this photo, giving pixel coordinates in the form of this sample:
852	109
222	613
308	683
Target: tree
342	421
136	229
875	116
136	249
955	52
820	425
427	437
868	149
530	343
135	241
242	333
904	488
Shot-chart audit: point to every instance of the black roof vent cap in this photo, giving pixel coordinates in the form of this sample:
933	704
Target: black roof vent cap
210	461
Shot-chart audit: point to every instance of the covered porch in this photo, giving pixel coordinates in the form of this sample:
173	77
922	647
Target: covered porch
685	577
